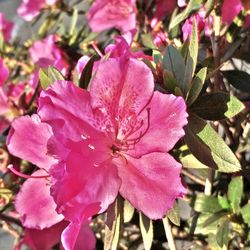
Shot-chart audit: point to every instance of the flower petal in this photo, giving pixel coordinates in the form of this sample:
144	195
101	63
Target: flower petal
86	182
167	116
230	9
4	72
116	92
44	239
154	180
35	135
70	120
78	236
35	205
105	14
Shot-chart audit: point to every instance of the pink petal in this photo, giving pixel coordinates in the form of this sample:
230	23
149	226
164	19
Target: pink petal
29	9
78	236
44	239
4	104
86	182
151	183
164	8
6	27
81	63
46	53
34	134
116	92
105	14
167	116
70	120
4	72
230	9
35	205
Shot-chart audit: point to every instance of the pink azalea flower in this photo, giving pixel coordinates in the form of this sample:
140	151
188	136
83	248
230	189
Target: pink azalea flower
6	27
163	8
81	63
106	14
118	134
4	73
43	226
203	23
230	9
122	47
29	9
46	53
4	104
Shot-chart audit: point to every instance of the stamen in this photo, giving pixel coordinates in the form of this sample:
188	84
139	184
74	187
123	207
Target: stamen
136	140
16	172
97	50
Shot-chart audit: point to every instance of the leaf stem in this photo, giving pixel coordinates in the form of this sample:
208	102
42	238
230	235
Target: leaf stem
169	234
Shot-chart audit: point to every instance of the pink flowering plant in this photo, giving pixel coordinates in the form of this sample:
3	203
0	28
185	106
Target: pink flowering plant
125	125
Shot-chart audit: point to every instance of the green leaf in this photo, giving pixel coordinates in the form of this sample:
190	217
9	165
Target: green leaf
87	72
170	82
146	227
239	79
223	202
213	245
207	223
217	106
113	225
206	204
245	212
1	41
147	41
234	193
55	74
192	5
174	214
222	236
49	75
192	55
74	18
196	86
129	211
190	161
173	62
45	81
157	56
208	147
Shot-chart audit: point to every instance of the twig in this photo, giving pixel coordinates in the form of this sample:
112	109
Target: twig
193	177
10	219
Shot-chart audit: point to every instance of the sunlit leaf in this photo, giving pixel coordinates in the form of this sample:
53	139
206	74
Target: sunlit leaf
222	236
217	106
128	211
192	55
174	214
245	212
223	202
206	204
208	147
173	62
196	86
234	193
146	227
113	225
